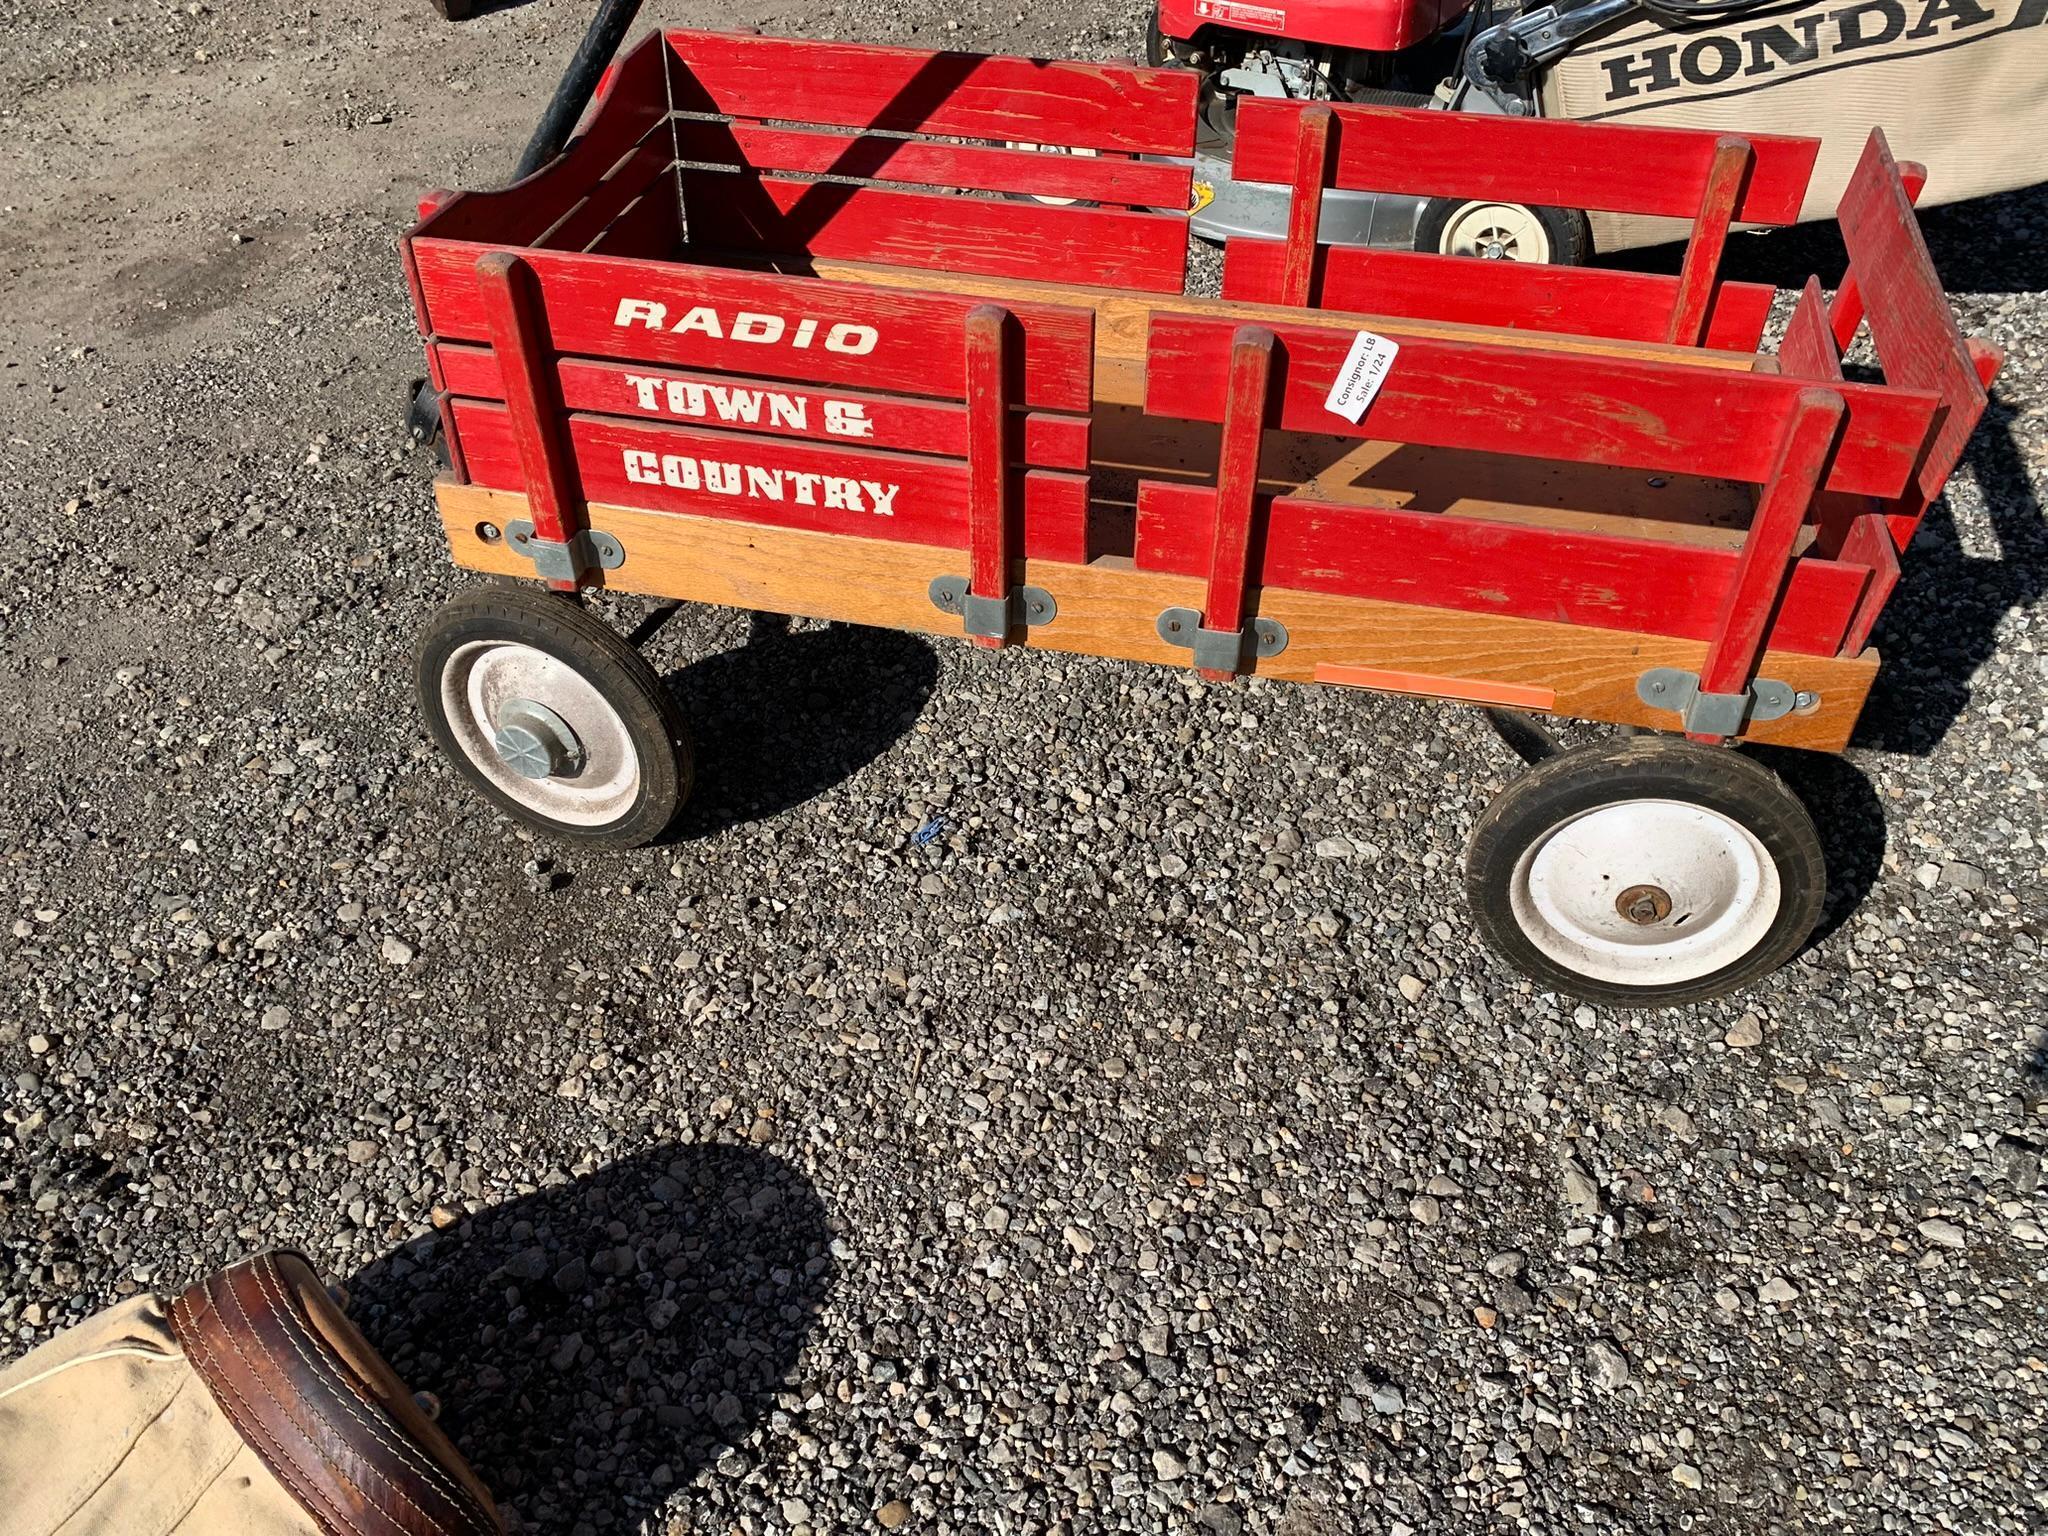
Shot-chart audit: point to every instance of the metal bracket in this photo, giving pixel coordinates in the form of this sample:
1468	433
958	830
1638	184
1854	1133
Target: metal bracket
993	617
1221	650
554	560
1717	714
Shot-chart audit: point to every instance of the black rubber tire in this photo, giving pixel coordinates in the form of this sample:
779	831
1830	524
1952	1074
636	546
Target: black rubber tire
1640	768
1571	236
563	629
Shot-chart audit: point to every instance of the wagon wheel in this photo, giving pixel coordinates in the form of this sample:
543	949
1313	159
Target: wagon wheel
553	717
1646	872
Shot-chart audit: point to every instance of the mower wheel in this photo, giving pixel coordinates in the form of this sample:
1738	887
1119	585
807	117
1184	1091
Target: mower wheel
1451	226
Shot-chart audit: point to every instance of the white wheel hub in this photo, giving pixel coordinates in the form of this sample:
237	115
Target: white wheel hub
1497	232
1646	893
541	732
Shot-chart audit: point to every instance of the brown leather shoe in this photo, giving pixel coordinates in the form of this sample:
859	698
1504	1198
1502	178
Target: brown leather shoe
329	1418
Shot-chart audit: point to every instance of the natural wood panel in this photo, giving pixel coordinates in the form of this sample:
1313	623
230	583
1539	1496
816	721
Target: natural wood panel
1108	609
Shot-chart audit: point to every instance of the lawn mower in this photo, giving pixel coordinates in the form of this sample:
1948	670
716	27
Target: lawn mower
1956	82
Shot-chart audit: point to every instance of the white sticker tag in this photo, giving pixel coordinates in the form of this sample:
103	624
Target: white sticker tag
1365	369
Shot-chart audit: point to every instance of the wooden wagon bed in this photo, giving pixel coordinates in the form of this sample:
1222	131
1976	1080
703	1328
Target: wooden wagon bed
800	326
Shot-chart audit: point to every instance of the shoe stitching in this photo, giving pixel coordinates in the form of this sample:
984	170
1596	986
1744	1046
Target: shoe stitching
271	1356
248	1425
265	1271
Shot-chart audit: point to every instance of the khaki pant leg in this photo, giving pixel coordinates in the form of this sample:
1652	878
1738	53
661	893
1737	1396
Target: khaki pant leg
107	1431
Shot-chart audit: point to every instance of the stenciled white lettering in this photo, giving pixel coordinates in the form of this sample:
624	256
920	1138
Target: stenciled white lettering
722	477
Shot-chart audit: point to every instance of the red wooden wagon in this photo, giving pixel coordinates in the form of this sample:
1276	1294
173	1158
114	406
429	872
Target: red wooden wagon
899	337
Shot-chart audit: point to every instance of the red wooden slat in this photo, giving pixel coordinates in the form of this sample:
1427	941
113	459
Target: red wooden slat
512	310
892	339
1733	159
647	167
1111	247
651	228
1808	350
636	108
1548	404
1444	561
1305	206
1845	316
912	90
1765	566
775	407
1918	341
1609	166
1525	295
920	162
1869	543
988	472
926	498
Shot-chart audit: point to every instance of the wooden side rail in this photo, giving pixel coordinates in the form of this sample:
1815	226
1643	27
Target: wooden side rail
1918	342
1656	416
1711	181
827	147
733	404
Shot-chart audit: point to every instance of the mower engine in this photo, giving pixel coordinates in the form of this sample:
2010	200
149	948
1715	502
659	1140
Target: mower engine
1394	53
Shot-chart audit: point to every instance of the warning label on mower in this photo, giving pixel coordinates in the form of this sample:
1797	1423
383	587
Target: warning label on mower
1364	371
1267	18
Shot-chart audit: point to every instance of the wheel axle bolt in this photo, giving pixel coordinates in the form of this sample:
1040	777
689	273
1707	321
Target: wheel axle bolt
1643	905
535	742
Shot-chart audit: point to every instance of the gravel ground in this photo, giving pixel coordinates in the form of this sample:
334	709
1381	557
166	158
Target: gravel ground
1152	1150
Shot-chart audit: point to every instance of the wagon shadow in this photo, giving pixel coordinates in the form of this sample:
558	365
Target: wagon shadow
1849	817
789	715
1942	623
1984	245
656	1306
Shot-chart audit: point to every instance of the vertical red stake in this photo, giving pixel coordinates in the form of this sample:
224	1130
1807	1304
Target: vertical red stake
1730	168
1305	209
512	312
988	472
1237	481
1766	560
1846	313
1808	350
1869	544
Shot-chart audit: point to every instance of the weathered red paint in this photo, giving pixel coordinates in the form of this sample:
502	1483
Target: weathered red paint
911	425
916	347
512	315
1726	173
988	478
1237	478
1518	295
1305	206
1074	105
1445	560
1546	404
1766	562
1609	166
929	505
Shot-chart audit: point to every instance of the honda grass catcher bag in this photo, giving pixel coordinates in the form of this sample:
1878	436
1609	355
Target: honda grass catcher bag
1959	85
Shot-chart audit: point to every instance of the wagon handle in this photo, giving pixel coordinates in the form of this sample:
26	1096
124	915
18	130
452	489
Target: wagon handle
600	44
